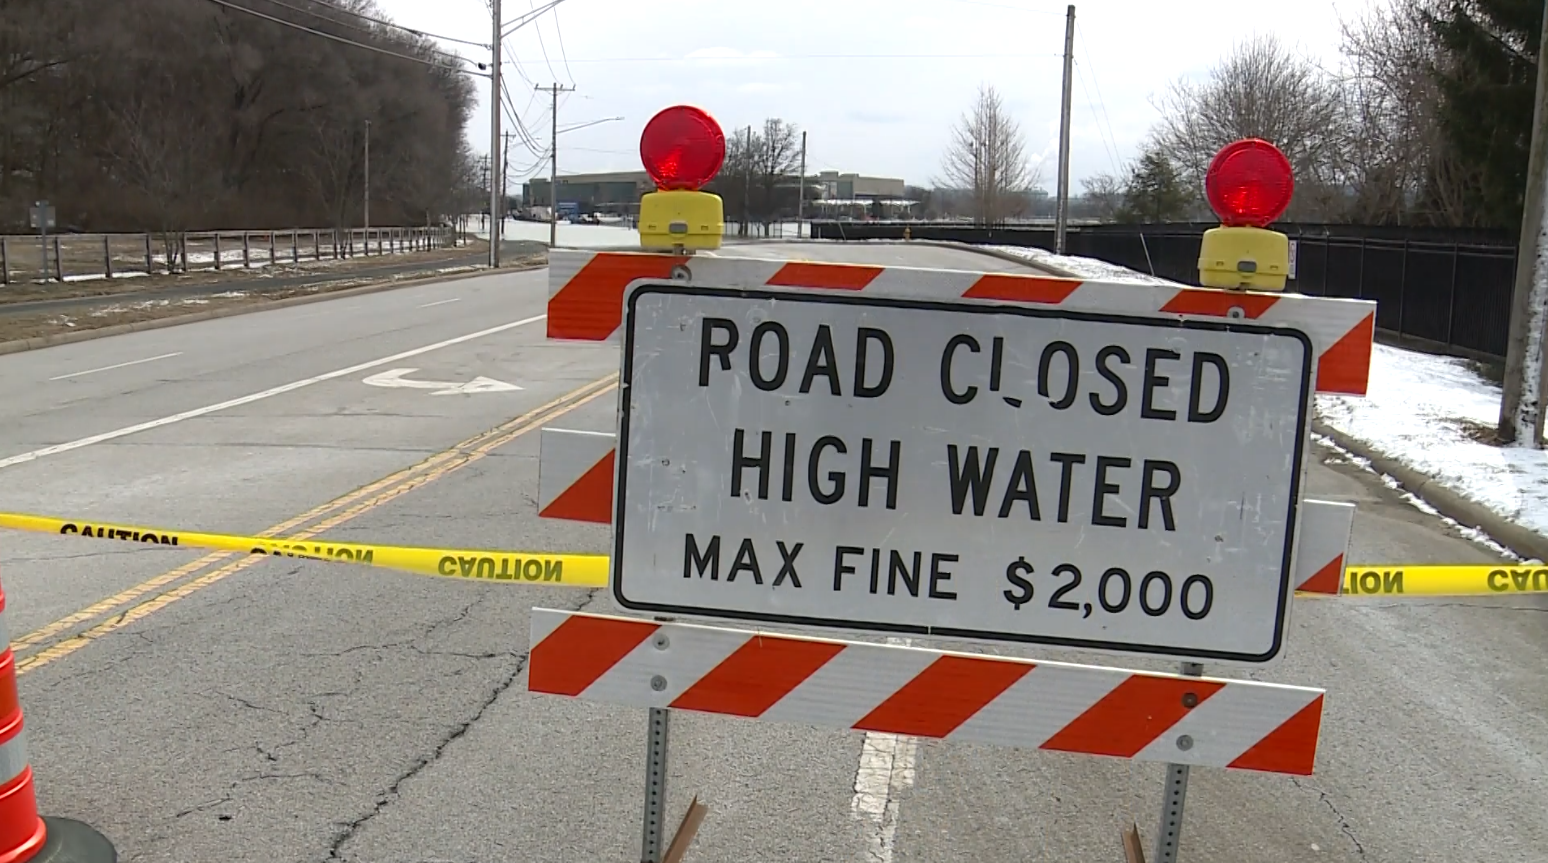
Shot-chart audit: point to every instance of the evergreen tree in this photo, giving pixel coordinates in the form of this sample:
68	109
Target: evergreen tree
1487	80
1154	192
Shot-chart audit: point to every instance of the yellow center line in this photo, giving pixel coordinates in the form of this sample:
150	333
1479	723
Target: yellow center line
364	499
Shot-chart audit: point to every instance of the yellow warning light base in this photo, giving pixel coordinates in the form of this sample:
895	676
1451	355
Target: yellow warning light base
681	219
1253	259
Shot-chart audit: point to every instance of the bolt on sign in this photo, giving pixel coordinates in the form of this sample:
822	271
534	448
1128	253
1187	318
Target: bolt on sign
1091	481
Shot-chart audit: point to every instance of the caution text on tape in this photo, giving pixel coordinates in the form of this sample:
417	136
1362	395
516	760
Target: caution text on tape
526	567
1432	580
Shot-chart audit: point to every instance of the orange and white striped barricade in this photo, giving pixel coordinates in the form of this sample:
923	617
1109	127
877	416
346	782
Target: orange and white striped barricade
24	835
888	689
726	475
1004	458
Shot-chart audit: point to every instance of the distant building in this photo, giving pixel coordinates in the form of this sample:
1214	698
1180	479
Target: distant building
615	192
829	194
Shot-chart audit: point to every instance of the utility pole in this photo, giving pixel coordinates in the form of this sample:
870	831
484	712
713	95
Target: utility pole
368	184
553	161
1521	409
747	185
801	195
496	167
1062	204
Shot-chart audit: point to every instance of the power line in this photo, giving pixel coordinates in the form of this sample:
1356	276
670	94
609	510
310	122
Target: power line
541	46
305	29
361	28
386	23
563	55
786	57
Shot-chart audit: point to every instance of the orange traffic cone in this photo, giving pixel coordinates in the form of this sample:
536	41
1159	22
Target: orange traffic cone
24	836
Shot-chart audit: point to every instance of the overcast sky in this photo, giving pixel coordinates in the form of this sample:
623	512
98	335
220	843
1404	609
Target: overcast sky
806	61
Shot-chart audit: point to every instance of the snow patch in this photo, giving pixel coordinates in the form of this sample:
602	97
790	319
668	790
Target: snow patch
1436	415
1086	268
93	277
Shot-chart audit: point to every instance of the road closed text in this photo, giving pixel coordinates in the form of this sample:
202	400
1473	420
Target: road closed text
1107	490
1031	474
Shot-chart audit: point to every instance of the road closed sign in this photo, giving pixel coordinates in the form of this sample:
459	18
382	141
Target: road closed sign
960	470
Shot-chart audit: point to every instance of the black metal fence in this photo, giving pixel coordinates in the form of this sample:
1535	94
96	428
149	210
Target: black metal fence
1445	290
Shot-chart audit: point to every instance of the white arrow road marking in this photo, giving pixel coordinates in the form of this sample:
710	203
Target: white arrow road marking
480	384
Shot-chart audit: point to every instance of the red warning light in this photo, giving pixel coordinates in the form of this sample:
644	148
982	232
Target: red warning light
682	148
1249	183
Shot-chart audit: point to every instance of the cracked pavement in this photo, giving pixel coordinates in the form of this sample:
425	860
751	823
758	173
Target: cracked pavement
309	712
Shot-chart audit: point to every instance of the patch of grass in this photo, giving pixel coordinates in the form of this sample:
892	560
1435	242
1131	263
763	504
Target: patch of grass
1489	370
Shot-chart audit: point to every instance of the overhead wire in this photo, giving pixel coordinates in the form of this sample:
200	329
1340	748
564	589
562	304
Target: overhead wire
1101	101
1107	143
385	23
552	74
786	57
351	42
563	55
361	28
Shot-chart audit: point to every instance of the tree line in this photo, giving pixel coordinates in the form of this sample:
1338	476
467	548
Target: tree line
168	115
1426	120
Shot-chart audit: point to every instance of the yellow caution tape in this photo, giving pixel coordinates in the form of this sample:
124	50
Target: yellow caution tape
524	567
1444	580
591	570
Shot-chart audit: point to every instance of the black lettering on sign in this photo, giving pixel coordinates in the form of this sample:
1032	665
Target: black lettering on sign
707	559
1071	385
1104	359
709	347
1196	388
781	356
874	361
827	489
906	572
821	361
948	389
1154	380
699	560
971	480
867	335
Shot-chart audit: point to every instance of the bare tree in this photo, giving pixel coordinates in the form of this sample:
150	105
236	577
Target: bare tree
1261	90
1397	161
775	164
173	114
987	156
1102	196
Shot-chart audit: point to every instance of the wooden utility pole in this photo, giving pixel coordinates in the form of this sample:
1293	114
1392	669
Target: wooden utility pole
553	162
1526	379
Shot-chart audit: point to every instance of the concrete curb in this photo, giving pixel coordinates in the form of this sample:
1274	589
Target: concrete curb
37	342
1468	513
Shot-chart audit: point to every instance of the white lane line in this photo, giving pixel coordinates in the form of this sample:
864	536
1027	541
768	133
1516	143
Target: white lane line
886	769
440	302
118	366
258	396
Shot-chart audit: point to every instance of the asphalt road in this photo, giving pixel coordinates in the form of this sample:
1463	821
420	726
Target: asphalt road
264	709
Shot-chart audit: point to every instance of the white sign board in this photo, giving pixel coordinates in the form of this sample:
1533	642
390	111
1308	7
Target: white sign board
961	470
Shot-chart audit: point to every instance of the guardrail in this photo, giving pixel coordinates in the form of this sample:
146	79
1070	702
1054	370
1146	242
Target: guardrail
74	257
